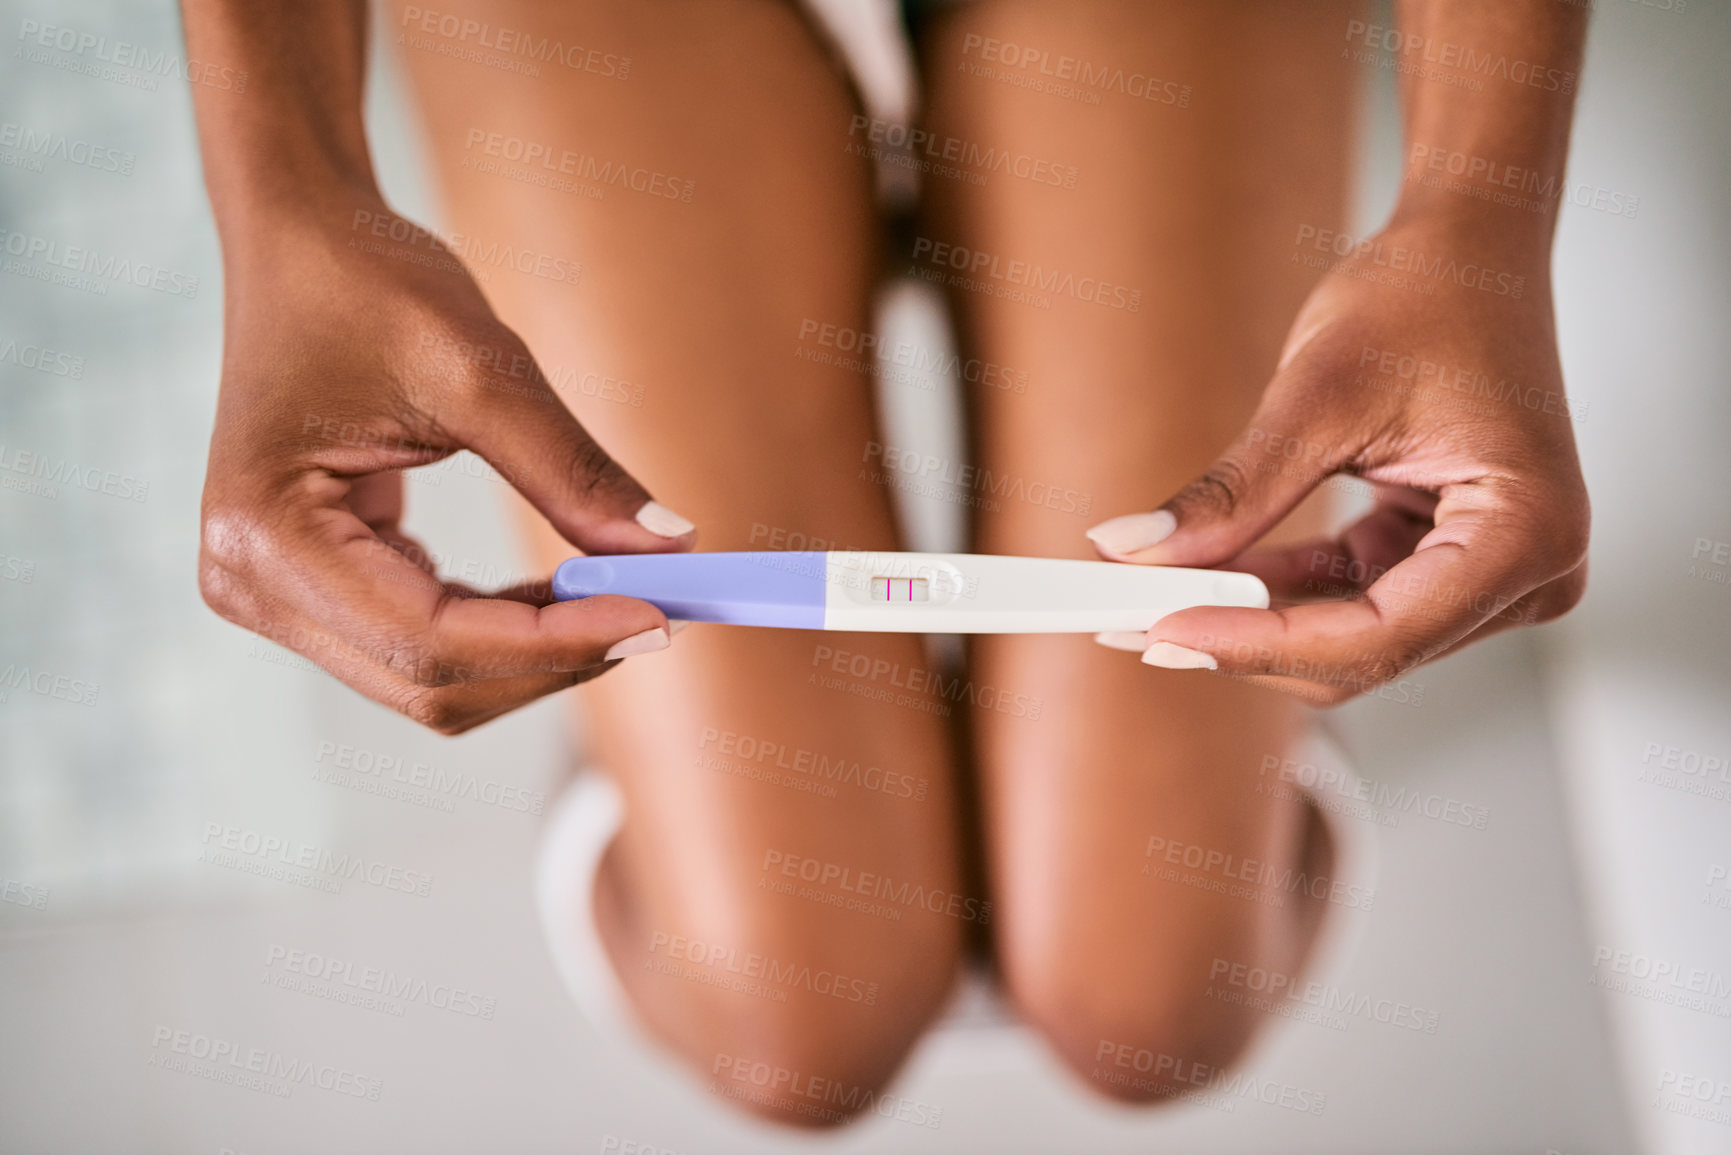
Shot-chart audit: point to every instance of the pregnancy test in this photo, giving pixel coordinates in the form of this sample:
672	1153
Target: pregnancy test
910	593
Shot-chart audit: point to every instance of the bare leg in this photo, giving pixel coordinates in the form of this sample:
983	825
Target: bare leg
1192	202
735	760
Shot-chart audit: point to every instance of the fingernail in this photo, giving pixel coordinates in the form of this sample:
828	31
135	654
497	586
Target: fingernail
663	522
645	643
674	625
1170	657
1130	641
1133	531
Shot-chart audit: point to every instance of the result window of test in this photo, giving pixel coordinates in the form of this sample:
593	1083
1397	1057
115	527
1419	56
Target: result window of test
895	589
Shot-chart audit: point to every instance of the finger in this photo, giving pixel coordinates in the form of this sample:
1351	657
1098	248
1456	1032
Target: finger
1310	692
377	499
1261	477
519	426
1478	562
1544	604
447	698
323	573
1549	601
532	592
457	708
434	634
1339	567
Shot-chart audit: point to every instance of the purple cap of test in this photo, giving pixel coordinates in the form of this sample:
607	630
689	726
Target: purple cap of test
742	589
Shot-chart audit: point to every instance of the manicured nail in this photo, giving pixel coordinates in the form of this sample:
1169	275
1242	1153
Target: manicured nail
1130	641
1171	657
645	643
674	625
1133	531
661	521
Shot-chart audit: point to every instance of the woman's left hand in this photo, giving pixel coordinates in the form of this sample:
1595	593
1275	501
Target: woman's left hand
1424	362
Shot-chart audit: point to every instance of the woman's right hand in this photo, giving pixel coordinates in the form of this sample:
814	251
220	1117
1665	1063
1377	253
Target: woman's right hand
345	361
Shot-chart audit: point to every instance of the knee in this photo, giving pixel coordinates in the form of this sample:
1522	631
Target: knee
1143	1038
1146	1046
811	1073
809	1066
814	1046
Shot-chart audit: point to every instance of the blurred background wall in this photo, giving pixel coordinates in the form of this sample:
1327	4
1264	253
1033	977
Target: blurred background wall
1577	951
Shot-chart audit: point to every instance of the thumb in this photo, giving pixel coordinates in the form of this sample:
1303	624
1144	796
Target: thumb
1263	474
523	430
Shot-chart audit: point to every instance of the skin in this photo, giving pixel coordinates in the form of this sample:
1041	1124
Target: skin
1483	518
303	495
703	301
1092	950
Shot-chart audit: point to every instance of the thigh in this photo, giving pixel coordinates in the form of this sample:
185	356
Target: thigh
1191	140
740	223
